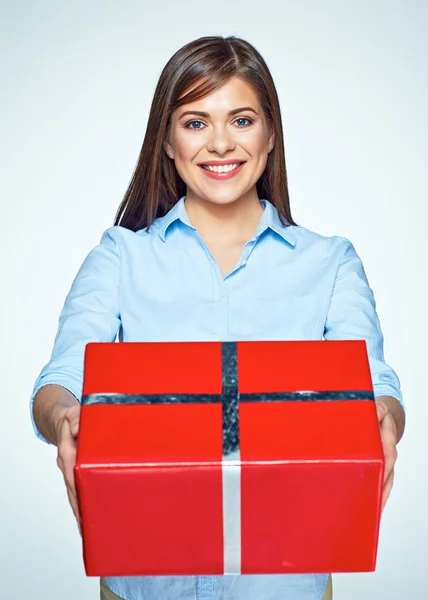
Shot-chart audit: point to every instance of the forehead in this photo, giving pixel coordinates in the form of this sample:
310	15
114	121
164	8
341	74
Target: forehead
232	94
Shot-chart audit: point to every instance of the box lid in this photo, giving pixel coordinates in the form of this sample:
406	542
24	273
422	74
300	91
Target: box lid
146	403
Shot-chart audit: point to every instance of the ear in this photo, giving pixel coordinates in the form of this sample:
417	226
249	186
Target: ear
271	141
168	149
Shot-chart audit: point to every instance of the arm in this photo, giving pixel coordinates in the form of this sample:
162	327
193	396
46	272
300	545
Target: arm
90	313
352	315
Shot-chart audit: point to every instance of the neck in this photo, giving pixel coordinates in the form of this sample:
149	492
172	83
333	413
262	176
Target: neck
226	222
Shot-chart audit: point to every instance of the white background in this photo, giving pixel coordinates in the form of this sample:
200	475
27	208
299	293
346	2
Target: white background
77	80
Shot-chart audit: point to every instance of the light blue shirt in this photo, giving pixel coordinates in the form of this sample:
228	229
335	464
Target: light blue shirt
290	283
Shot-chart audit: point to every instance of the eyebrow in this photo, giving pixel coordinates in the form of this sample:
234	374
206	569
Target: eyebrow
235	111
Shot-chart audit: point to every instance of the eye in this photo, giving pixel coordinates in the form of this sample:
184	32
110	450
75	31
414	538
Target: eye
192	122
242	125
242	122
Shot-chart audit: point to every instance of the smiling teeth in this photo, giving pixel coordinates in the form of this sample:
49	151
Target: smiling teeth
221	169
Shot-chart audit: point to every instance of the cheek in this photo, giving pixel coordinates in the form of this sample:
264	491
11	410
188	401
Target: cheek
187	146
258	144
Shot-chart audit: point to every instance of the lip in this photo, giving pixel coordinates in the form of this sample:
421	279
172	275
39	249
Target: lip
220	176
217	163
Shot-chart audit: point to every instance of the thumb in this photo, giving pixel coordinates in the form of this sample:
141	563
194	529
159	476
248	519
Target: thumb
74	427
381	410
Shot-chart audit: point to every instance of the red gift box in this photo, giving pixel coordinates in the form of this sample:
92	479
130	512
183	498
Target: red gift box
199	458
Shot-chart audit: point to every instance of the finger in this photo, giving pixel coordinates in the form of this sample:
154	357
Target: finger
72	498
381	410
74	505
74	426
387	489
66	461
60	462
72	495
69	477
390	454
389	448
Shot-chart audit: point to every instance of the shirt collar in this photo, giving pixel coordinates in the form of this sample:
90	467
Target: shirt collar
270	218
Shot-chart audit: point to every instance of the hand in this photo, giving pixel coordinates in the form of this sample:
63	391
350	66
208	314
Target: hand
67	430
389	437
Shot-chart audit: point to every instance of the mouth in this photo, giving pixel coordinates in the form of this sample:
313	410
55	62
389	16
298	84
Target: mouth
222	171
221	168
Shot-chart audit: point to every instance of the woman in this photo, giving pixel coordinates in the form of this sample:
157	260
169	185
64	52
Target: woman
204	248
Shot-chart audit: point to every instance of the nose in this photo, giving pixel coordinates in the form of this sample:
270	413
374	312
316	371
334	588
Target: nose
221	140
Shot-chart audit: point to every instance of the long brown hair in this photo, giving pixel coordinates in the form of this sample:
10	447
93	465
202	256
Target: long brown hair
201	67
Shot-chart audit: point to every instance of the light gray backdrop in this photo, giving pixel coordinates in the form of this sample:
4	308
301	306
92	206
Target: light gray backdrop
77	80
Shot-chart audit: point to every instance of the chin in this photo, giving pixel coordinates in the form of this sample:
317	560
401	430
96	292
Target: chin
224	196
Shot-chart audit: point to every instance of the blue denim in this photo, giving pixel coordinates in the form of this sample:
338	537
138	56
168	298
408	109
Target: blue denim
290	283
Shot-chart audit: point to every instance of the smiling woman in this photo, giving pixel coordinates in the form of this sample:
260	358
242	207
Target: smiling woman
227	146
216	115
204	248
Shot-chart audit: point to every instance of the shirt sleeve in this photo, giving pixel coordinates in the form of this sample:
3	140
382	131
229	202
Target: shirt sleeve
352	316
90	314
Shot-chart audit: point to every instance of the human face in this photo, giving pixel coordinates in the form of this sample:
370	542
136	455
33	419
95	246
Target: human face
227	127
